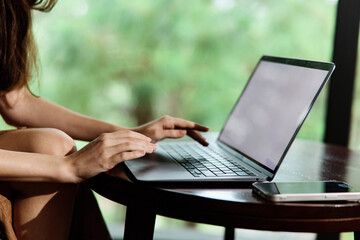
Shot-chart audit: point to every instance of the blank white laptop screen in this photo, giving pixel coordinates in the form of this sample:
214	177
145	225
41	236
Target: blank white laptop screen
273	105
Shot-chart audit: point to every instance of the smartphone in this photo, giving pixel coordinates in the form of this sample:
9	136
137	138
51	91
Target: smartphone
306	191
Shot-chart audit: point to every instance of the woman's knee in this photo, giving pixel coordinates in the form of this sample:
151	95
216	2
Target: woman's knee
53	141
38	140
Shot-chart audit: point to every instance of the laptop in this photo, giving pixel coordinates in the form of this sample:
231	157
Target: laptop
256	135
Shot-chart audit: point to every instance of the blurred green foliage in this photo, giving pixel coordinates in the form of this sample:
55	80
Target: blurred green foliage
129	62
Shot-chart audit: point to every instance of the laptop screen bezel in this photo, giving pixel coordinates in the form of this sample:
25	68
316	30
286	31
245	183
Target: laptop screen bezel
327	66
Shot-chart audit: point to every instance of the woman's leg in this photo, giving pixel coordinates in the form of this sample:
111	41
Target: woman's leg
41	210
87	214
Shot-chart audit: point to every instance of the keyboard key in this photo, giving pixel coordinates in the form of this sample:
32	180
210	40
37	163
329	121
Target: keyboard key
208	174
241	174
227	174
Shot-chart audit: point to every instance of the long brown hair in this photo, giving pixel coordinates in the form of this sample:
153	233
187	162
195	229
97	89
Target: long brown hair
17	47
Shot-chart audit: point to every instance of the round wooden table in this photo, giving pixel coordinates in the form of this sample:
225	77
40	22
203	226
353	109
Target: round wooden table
235	205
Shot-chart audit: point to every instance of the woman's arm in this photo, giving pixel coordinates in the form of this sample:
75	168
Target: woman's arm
20	108
100	155
21	166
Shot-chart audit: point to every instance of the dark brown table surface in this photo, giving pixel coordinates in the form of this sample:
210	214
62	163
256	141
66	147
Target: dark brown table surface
236	206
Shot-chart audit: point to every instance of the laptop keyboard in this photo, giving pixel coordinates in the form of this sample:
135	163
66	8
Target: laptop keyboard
208	162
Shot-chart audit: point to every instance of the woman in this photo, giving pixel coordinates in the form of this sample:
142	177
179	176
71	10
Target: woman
39	164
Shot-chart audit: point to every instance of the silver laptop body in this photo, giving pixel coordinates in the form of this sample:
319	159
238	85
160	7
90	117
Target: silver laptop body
257	134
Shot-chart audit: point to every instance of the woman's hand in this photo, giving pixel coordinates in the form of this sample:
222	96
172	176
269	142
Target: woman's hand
106	151
170	127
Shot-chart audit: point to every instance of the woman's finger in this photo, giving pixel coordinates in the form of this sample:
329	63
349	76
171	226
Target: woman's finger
201	128
131	146
126	151
191	133
197	137
125	134
125	156
174	133
185	124
118	141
